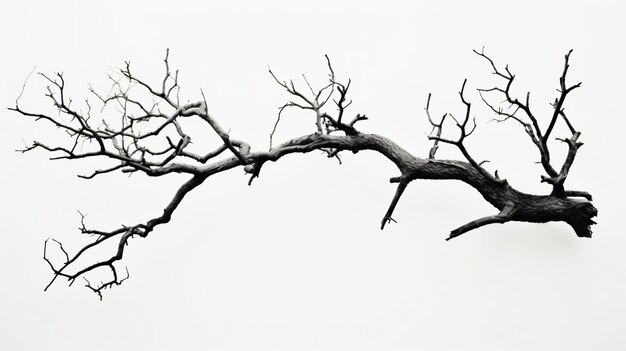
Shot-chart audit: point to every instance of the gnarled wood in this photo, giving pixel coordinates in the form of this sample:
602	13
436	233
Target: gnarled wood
521	207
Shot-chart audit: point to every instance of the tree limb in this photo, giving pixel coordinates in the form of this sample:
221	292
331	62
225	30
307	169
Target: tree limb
124	141
396	197
502	217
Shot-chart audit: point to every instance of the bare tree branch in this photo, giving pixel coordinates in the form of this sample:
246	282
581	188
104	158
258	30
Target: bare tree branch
394	202
464	134
502	217
436	131
533	129
149	136
558	106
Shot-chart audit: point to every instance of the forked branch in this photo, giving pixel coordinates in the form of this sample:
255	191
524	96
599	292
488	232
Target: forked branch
464	133
531	124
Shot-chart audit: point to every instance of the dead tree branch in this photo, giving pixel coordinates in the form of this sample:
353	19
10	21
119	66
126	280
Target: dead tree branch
127	142
531	125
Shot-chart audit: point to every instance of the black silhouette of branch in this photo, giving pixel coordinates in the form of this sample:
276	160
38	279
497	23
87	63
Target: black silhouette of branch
148	135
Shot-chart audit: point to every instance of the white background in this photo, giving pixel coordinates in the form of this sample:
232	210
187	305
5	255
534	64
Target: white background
297	260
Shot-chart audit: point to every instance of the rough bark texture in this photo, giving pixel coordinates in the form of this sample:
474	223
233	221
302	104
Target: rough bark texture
127	145
512	204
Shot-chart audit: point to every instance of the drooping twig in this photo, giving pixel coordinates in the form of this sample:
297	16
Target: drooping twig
394	202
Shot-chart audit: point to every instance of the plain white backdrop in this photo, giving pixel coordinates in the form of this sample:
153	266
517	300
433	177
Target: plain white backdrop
297	260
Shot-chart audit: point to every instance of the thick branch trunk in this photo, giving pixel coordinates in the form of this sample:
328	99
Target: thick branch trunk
522	207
